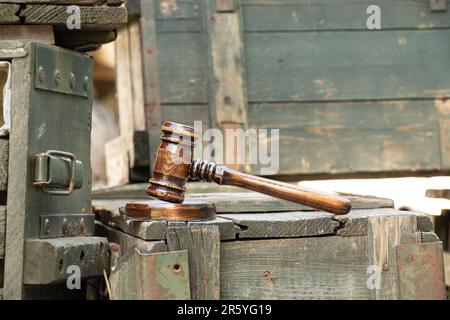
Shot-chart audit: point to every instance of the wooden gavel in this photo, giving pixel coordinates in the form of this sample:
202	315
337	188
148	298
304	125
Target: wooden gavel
174	165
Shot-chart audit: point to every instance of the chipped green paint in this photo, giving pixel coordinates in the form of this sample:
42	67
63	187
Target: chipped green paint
421	271
164	275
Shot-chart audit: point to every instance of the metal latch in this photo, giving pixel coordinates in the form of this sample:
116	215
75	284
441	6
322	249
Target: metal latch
438	5
58	172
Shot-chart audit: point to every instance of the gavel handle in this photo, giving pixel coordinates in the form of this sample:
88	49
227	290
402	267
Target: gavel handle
311	198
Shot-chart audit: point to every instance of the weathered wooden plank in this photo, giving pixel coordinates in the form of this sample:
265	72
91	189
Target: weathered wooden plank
227	229
127	158
12	49
115	3
130	191
47	260
175	10
179	25
15	220
107	213
384	234
2	234
424	222
182	73
300	268
302	15
444	131
4	160
129	79
404	135
441	226
117	161
124	83
370	115
322	83
187	114
226	73
438	193
151	76
298	15
146	230
8	14
357	222
59	2
283	224
178	16
2	271
273	72
232	200
29	33
137	89
129	242
447	267
396	69
398	150
5	83
203	245
259	216
2	274
428	237
90	16
134	8
236	202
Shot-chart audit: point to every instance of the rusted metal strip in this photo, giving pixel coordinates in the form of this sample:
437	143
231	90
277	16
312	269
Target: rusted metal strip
421	271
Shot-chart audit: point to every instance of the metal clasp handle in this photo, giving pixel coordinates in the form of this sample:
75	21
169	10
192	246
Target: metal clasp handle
43	172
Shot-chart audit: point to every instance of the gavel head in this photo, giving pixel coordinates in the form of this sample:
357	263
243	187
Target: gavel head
172	163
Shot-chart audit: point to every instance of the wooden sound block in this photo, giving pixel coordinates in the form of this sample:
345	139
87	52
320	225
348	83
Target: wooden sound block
190	210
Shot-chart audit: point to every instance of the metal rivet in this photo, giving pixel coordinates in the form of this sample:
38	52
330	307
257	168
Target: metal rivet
47	226
41	74
57	77
86	83
385	267
82	226
72	80
65	227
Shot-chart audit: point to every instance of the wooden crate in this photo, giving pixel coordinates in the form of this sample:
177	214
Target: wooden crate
46	220
45	225
263	248
347	100
49	21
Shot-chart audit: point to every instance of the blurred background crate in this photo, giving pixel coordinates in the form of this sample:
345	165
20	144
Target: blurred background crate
348	101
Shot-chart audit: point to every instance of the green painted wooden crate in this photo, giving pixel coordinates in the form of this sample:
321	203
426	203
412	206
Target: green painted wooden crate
46	220
347	100
259	247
